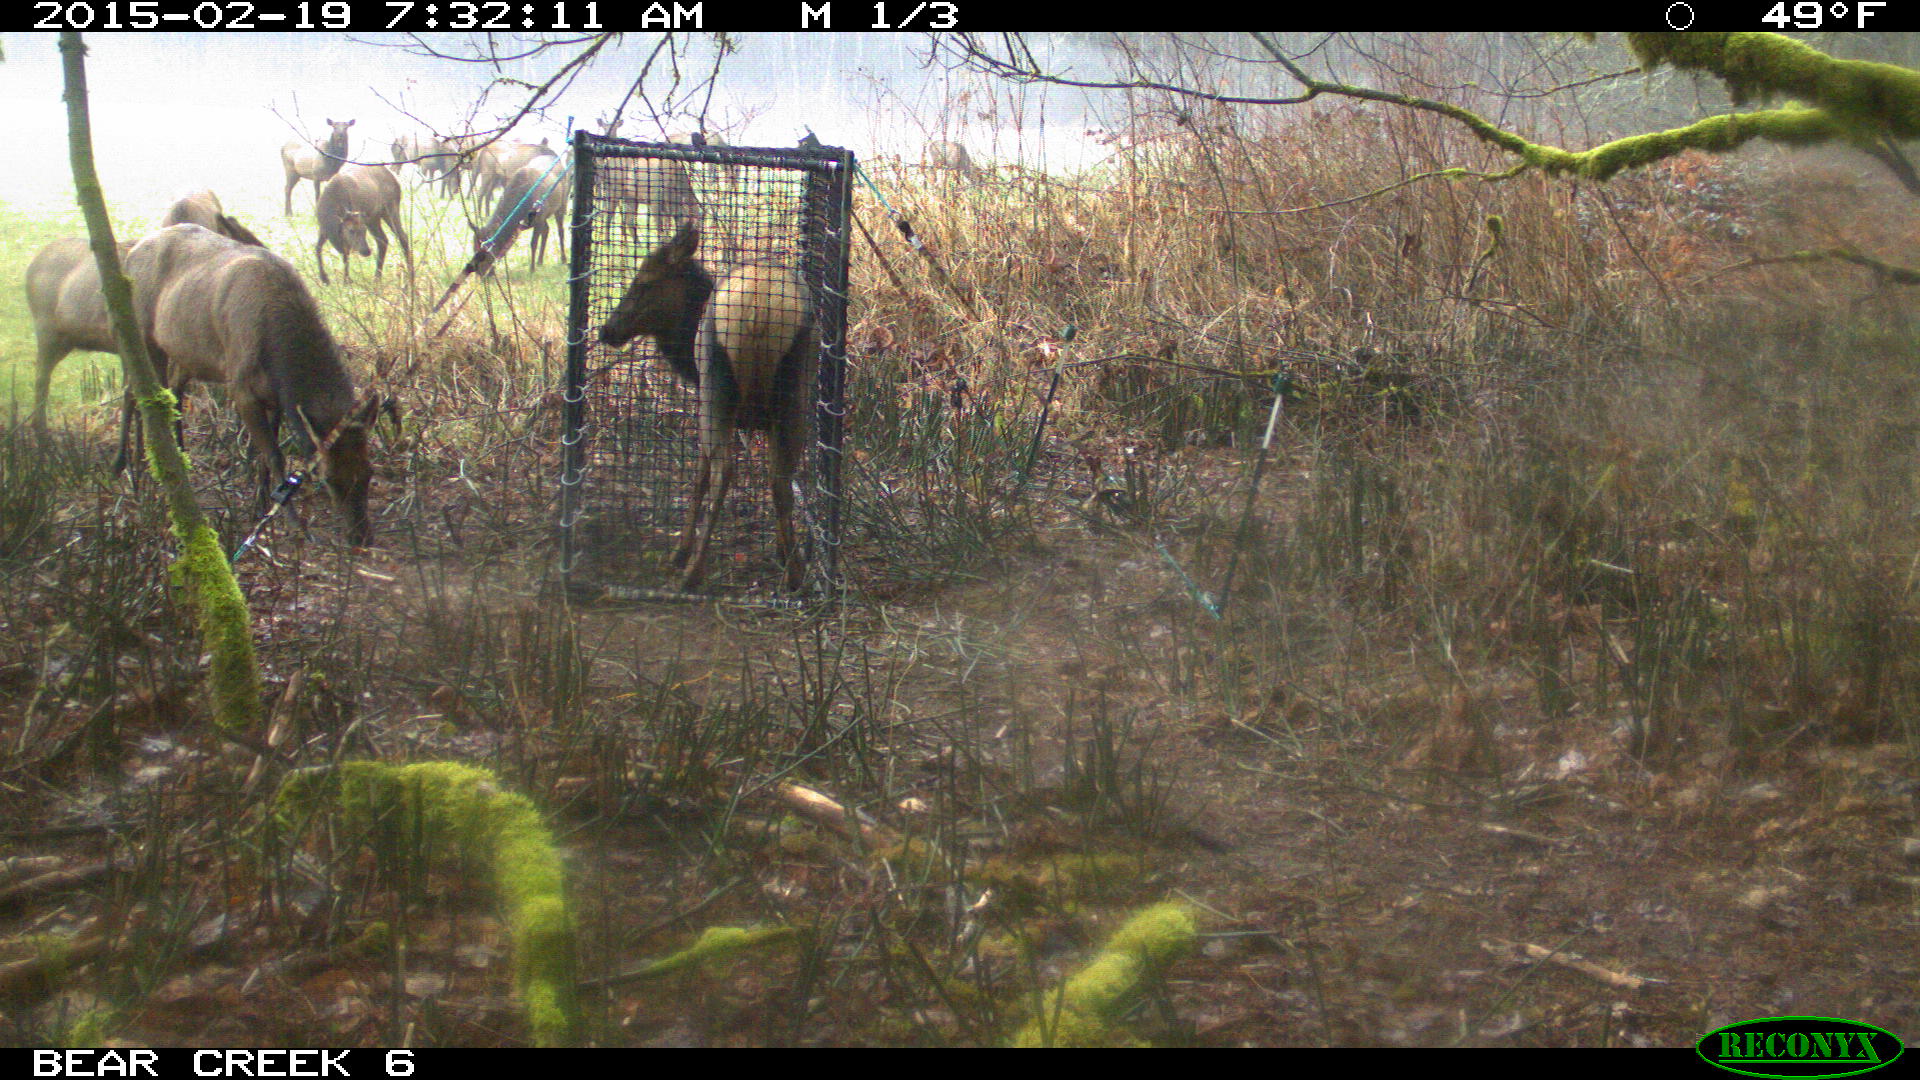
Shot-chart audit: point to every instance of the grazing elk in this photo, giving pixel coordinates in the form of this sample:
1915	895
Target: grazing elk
463	151
361	199
318	164
203	208
213	310
746	346
534	197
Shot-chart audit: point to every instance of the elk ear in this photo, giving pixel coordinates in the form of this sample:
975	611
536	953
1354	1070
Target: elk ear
685	242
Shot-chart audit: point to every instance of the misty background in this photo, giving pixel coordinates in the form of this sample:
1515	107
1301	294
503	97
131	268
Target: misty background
178	111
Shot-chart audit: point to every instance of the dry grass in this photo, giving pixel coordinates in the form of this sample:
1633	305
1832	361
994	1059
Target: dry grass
1574	609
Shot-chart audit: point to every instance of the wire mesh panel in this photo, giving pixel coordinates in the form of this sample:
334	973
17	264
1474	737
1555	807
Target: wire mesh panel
708	311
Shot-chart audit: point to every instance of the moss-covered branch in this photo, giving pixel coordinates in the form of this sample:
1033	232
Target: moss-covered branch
1082	1011
1866	97
1853	100
202	571
1887	272
466	807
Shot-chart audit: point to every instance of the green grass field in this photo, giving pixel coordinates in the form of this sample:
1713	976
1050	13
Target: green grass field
363	312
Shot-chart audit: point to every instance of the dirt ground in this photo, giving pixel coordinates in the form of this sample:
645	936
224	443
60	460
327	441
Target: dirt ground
1377	856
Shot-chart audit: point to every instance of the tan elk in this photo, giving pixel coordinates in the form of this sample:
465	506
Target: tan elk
69	312
203	208
432	156
316	163
534	198
951	156
213	310
361	199
496	164
746	346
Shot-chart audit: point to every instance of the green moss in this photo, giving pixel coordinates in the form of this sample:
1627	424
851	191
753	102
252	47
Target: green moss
160	411
1080	1012
717	944
1022	880
375	941
92	1028
466	807
1866	97
225	627
51	950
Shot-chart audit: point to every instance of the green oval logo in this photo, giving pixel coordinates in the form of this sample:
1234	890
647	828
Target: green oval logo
1799	1047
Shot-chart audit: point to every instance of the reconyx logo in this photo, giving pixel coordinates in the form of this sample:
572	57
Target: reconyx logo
1799	1047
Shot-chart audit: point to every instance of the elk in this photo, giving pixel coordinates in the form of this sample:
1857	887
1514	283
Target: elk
746	347
203	208
355	202
69	311
433	156
213	310
493	166
949	155
534	197
318	164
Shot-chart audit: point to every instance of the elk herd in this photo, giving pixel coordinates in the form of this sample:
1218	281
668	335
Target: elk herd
215	305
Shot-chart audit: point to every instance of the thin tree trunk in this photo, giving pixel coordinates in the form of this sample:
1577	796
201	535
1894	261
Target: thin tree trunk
202	569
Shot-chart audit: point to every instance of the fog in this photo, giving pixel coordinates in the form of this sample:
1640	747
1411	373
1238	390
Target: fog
172	112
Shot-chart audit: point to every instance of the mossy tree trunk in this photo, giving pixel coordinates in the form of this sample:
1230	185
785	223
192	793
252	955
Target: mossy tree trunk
202	569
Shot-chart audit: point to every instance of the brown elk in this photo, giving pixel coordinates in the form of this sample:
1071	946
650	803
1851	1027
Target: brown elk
437	161
69	312
203	208
464	151
535	197
747	349
662	187
213	310
318	164
493	166
361	199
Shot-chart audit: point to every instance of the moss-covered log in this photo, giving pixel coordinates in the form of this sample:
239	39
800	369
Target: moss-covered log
1082	1011
466	807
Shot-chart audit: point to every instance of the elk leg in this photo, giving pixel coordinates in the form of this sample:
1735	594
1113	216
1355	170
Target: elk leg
129	434
266	454
702	473
697	569
320	256
132	431
50	357
380	240
783	455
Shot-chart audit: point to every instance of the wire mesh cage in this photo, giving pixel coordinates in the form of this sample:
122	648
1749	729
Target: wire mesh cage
708	328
